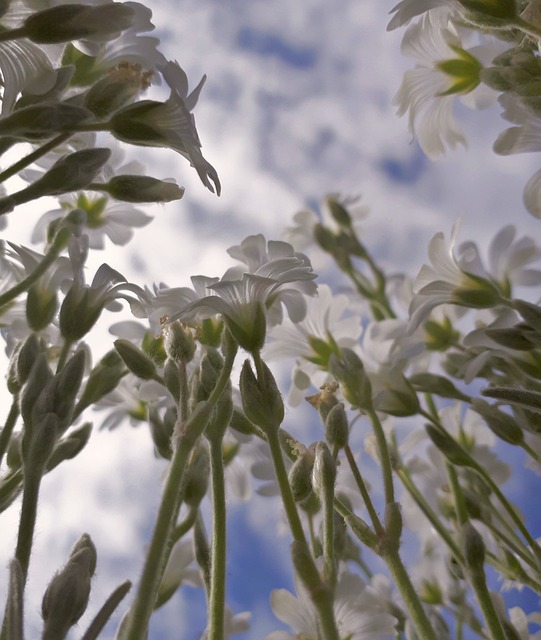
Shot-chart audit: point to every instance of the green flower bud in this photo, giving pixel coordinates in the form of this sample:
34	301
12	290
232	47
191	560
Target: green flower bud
38	379
75	22
350	373
261	399
197	477
325	238
141	189
171	378
531	400
437	385
66	386
103	379
300	475
21	362
363	531
239	422
39	122
70	446
162	430
305	567
503	425
473	549
338	212
179	343
38	450
530	312
448	446
482	294
398	398
505	10
41	306
136	361
324	471
67	595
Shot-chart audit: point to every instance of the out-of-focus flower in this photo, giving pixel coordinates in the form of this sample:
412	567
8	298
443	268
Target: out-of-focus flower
444	71
446	281
359	611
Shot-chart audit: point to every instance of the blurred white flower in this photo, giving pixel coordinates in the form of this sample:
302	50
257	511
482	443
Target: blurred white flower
444	71
360	612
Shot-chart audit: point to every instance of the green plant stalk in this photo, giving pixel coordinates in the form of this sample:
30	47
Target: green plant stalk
160	544
384	457
323	604
57	246
479	585
32	157
161	541
219	539
423	505
29	509
526	27
376	523
415	608
183	527
11	421
460	506
328	536
106	611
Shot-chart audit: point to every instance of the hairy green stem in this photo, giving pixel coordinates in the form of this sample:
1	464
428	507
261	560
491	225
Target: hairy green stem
384	457
376	523
29	509
7	430
32	157
218	550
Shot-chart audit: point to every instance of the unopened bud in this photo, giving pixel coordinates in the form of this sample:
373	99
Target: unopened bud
162	430
197	477
239	422
179	343
300	475
70	446
136	361
338	212
261	399
41	306
141	189
350	373
324	472
103	379
448	446
38	450
75	22
171	378
38	379
473	548
363	531
337	427
39	121
67	595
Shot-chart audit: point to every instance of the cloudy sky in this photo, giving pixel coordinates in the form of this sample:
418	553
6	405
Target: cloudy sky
298	103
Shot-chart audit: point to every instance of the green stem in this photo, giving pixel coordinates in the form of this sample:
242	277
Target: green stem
11	421
385	459
486	605
376	523
460	505
219	533
32	157
527	27
56	249
183	527
64	353
162	536
27	522
409	594
428	512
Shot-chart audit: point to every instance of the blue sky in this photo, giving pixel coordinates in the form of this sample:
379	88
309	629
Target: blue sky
298	103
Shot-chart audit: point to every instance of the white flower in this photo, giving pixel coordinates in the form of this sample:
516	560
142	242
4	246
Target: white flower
405	10
444	71
249	300
168	124
446	281
324	330
359	610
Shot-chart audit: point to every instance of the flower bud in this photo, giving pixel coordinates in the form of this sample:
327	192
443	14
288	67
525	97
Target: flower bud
398	397
239	422
67	595
338	212
501	424
103	379
21	362
261	399
66	386
221	416
473	549
179	343
162	430
197	477
337	427
41	305
325	238
436	384
40	375
448	446
324	471
363	531
300	475
141	189
40	121
70	446
38	450
118	88
171	378
350	373
75	22
136	361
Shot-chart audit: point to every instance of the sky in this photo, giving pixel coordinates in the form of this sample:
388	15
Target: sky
298	103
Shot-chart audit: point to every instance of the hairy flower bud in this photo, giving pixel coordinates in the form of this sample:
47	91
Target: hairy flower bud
70	446
103	379
197	476
141	189
78	21
261	398
136	360
349	370
38	122
179	343
67	595
300	475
